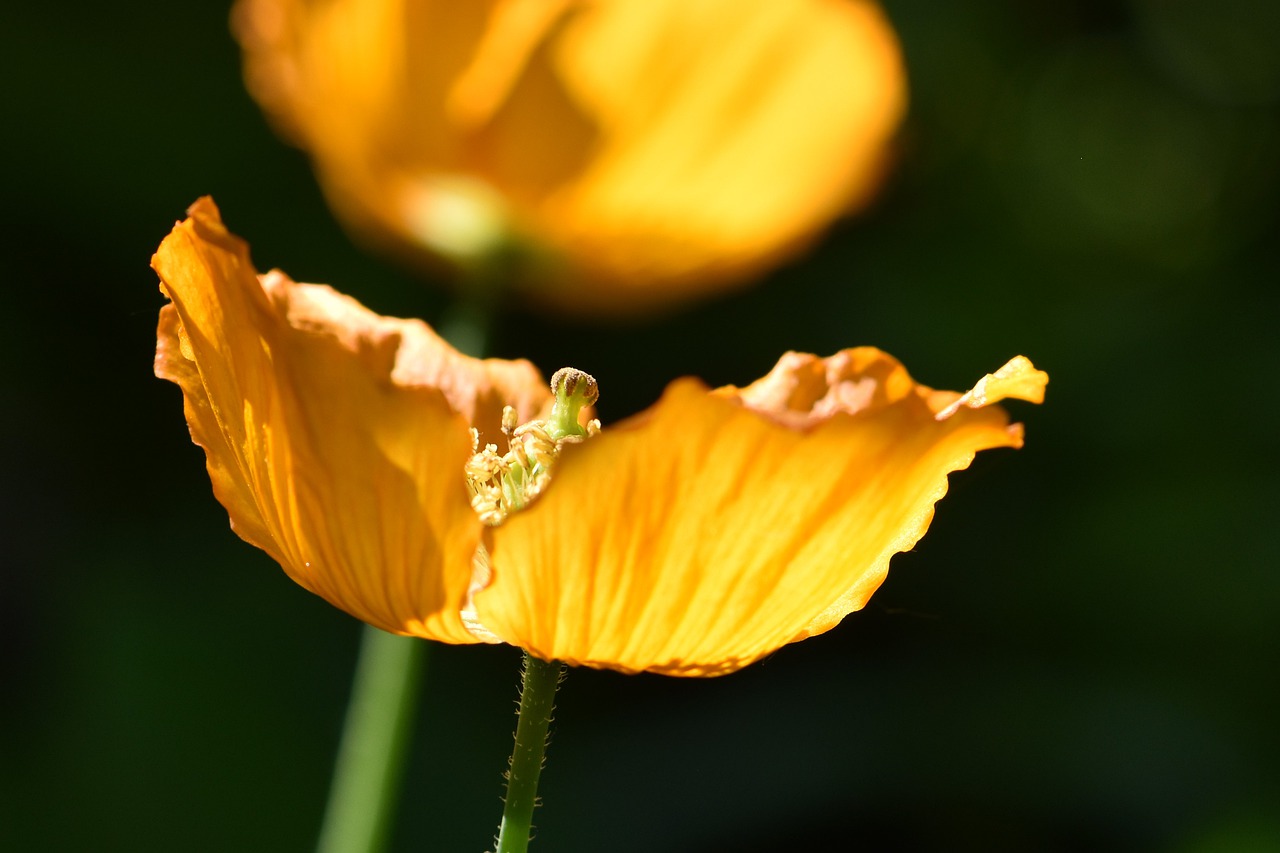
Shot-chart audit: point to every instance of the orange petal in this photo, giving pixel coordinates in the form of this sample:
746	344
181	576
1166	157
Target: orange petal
363	87
335	438
651	149
713	529
730	132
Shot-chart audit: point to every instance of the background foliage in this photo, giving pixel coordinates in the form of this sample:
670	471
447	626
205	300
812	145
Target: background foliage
1081	655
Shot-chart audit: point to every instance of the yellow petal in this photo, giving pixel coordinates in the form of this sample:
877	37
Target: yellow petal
335	438
714	528
653	149
730	132
1018	380
363	88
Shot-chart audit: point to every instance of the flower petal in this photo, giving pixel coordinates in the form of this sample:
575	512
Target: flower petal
729	133
712	529
648	150
1018	380
335	438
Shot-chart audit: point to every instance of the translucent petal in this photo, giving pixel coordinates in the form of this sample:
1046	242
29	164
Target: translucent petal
335	438
714	528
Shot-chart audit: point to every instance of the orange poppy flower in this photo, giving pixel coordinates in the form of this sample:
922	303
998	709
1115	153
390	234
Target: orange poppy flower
691	539
637	151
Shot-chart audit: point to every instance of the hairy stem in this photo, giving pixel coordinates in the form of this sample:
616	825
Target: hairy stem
537	699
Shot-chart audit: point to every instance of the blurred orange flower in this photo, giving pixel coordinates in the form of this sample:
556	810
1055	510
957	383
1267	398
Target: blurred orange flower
691	539
640	151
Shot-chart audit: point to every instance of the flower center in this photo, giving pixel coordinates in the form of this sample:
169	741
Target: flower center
501	484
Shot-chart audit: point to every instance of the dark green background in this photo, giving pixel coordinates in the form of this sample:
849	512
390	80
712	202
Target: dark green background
1081	655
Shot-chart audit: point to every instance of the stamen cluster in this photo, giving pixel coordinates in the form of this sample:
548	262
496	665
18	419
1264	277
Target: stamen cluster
501	484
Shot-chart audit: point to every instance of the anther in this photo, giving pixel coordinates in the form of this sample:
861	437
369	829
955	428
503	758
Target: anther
501	484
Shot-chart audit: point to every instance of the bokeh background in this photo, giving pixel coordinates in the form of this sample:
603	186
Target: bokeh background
1081	655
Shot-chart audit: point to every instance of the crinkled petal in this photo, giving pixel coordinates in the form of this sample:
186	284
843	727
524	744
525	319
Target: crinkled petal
335	438
712	529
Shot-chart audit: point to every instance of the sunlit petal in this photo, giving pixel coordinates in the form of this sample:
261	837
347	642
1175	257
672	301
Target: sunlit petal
1018	379
718	526
334	438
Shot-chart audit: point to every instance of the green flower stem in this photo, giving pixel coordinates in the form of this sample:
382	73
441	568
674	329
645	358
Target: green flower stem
537	699
371	755
384	696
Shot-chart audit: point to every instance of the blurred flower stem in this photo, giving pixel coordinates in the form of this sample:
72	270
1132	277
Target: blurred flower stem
537	699
371	757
